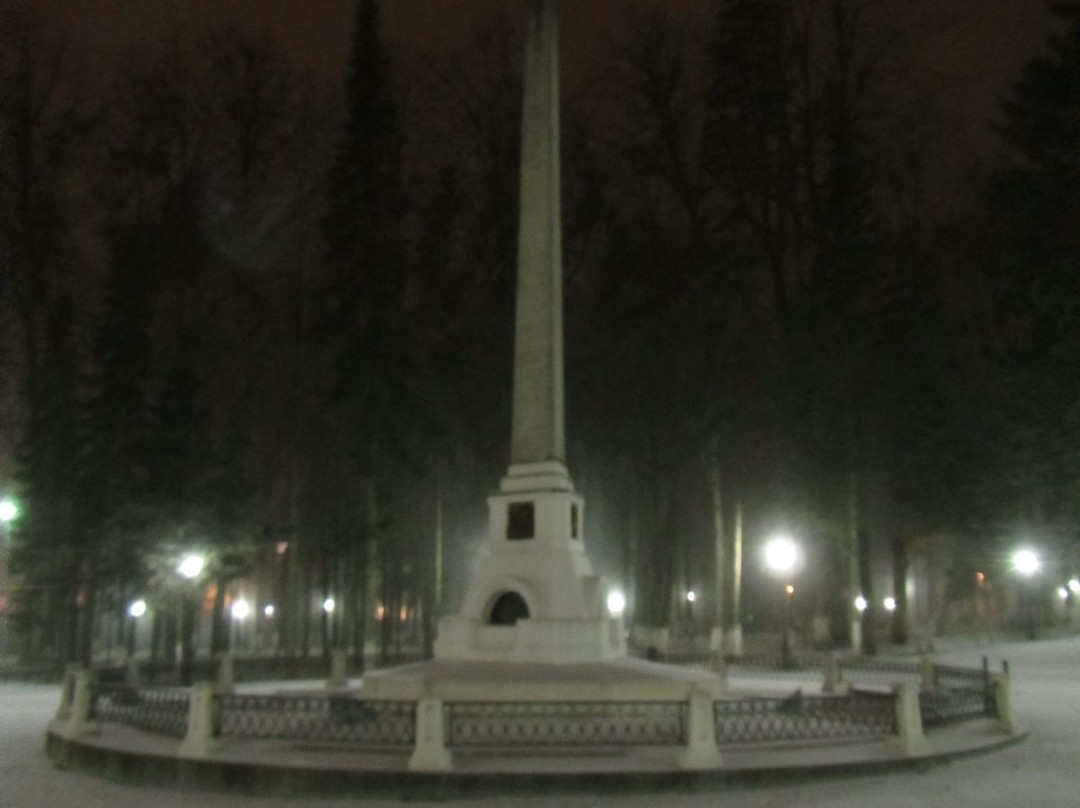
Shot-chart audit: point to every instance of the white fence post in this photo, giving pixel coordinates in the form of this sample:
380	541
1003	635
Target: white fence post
430	753
78	718
832	678
67	692
226	673
702	751
339	674
1001	689
200	740
926	671
910	739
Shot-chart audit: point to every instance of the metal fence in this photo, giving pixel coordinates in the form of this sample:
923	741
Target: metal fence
878	671
566	724
803	718
317	718
162	711
944	706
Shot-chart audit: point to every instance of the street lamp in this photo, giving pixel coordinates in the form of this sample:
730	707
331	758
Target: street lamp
616	603
240	610
329	605
861	604
135	610
1074	586
782	556
9	511
191	566
890	604
1027	563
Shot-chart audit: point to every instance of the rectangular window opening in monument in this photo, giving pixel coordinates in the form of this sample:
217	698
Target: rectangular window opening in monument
573	520
521	523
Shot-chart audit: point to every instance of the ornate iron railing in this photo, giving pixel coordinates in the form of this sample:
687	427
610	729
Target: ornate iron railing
946	706
566	724
802	718
966	678
317	718
161	711
877	670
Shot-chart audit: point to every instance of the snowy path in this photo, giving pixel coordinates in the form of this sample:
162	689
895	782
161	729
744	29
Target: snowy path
1043	772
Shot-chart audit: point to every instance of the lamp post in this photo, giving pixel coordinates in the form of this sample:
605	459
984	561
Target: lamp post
1026	563
190	568
782	556
135	610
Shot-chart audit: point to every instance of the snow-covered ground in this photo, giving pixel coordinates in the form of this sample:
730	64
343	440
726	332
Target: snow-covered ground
1043	772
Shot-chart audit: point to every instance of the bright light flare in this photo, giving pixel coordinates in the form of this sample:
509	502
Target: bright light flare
1074	586
861	605
9	511
890	604
137	608
1026	562
241	610
268	610
191	566
781	554
616	603
329	605
691	596
1063	593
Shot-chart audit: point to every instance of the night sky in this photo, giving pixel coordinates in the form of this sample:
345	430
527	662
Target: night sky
981	44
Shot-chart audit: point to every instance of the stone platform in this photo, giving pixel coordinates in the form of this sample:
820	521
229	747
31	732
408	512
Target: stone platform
624	680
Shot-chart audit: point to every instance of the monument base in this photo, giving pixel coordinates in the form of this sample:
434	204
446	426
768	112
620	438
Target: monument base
618	680
541	641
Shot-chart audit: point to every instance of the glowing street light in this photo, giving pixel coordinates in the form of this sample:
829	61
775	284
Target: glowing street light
1026	562
268	610
781	554
1074	586
616	603
1063	593
191	566
861	604
691	596
9	511
890	604
137	608
329	605
240	610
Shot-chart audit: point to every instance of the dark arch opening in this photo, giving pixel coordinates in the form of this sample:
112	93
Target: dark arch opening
508	609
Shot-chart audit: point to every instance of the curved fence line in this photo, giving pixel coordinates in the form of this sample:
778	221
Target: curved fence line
566	724
948	694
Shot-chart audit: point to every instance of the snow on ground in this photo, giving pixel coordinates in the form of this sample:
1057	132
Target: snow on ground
1043	772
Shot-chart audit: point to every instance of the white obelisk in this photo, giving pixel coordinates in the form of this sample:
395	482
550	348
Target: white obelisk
534	597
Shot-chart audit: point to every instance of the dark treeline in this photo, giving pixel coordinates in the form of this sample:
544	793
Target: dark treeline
271	322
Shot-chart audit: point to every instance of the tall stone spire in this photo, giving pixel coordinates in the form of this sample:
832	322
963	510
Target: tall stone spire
538	434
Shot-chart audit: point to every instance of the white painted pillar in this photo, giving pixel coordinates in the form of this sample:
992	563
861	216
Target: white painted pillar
78	719
926	670
910	739
339	670
831	678
67	692
702	751
430	753
226	673
1001	687
131	672
201	740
